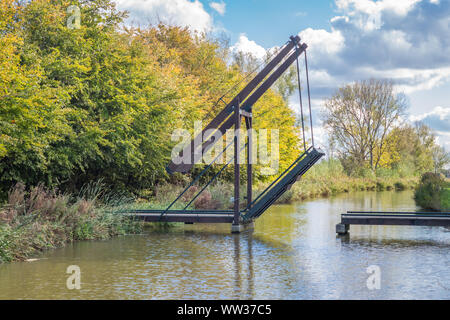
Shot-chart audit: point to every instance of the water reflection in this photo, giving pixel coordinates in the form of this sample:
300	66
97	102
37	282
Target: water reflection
292	254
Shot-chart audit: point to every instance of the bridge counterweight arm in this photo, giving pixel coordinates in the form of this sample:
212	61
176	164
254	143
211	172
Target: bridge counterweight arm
224	115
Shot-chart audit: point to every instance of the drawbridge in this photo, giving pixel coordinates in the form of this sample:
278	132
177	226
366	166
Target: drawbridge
238	109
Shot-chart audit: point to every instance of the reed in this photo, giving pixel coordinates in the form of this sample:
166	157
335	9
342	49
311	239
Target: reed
38	219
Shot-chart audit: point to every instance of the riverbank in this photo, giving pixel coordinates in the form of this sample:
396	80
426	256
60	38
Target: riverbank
34	221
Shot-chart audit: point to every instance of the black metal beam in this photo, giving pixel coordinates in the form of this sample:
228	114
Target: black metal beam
395	214
249	122
237	164
282	183
247	104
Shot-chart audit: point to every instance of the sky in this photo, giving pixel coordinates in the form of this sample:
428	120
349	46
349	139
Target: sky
348	40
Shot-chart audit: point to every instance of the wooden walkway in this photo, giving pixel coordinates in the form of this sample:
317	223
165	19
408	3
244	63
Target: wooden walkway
431	219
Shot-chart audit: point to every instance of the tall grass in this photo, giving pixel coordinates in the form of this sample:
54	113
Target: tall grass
38	219
328	178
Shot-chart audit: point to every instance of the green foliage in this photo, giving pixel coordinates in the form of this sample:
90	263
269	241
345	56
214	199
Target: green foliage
414	145
445	198
433	192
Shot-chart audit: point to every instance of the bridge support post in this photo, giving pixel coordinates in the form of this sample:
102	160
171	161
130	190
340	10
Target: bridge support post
239	228
249	122
342	229
237	173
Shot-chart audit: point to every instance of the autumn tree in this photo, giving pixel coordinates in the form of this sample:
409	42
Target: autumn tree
409	149
359	117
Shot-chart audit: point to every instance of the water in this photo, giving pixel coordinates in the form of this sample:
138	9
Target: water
293	253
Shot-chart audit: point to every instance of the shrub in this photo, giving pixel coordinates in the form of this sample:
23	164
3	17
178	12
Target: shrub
445	198
431	193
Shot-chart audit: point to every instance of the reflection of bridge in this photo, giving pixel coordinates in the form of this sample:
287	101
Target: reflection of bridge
430	219
241	107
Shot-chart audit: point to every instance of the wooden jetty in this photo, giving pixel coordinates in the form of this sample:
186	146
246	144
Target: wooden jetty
431	219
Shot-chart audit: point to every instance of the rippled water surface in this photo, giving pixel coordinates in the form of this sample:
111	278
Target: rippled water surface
293	253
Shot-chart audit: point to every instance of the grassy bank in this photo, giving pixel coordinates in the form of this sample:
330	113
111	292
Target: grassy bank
325	179
38	219
328	178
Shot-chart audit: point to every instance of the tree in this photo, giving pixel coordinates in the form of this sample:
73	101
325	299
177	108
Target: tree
422	147
246	62
360	116
32	115
441	158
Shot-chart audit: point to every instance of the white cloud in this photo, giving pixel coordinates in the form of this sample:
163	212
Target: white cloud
323	42
409	80
248	46
174	12
220	7
397	40
405	40
439	120
438	114
372	8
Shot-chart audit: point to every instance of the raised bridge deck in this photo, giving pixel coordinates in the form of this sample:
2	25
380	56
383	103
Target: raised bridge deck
431	219
271	194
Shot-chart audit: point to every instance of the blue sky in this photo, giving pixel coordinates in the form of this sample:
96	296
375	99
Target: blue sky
270	22
404	40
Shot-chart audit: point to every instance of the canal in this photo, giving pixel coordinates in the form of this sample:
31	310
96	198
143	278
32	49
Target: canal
293	253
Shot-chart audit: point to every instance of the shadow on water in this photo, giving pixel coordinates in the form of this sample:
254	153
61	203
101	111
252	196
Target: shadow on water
293	253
